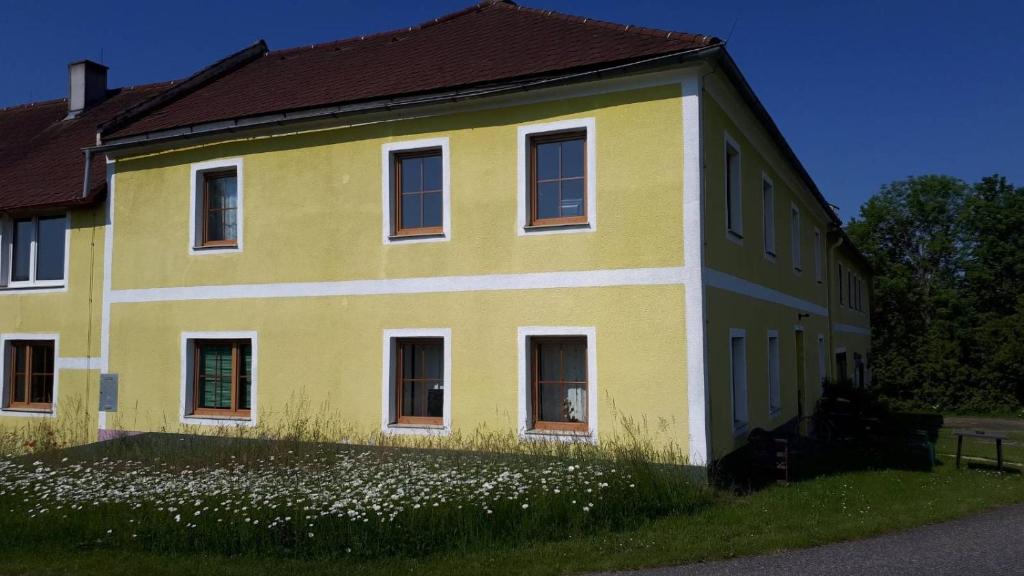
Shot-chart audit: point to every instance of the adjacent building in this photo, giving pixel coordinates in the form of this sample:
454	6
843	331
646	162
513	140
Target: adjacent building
505	218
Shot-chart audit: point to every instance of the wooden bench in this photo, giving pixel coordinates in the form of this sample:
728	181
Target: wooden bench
980	434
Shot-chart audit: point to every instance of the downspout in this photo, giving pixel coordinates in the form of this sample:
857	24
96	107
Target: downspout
828	282
88	166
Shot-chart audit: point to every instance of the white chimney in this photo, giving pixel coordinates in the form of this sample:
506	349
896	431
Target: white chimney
87	85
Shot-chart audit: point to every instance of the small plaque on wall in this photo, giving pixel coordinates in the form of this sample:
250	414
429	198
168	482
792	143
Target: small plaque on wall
108	392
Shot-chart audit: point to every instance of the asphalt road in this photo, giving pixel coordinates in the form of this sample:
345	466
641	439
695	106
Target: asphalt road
988	544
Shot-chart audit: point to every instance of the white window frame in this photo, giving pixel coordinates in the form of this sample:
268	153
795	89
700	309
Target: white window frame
523	135
842	300
7	253
733	232
387	178
388	401
768	217
186	402
5	373
198	170
740	406
525	333
818	270
774	379
795	237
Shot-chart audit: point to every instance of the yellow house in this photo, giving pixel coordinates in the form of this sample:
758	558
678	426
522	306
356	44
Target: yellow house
504	218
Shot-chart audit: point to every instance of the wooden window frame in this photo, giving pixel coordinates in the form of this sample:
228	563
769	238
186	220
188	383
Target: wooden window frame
11	352
547	138
542	425
398	382
207	176
234	412
396	193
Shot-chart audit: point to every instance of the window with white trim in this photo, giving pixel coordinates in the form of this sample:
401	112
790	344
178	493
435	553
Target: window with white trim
821	359
817	256
30	373
794	238
774	385
768	216
417	381
217	207
416	191
842	298
35	251
733	189
738	379
557	177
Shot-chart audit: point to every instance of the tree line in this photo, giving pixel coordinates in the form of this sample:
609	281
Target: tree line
948	293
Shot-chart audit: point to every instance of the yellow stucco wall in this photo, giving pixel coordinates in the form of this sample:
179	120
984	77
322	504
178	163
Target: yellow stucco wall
73	314
312	202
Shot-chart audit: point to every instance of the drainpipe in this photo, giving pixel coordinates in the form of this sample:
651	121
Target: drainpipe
88	171
828	282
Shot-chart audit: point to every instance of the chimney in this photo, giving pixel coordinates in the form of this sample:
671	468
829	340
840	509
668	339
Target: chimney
87	85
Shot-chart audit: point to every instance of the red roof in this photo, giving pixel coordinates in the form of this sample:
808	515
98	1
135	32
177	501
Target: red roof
41	159
484	44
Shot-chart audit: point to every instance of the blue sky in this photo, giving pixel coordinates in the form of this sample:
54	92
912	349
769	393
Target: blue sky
866	92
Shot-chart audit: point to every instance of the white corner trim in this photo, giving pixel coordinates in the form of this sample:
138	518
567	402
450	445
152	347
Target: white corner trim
851	329
387	150
424	285
5	372
523	133
196	173
693	272
524	333
387	397
186	361
723	281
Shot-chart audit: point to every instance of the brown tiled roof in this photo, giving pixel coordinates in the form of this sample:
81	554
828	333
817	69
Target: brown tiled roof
484	44
41	160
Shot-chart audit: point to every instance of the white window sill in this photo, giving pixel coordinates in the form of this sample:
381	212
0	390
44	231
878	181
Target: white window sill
32	286
558	436
417	429
414	238
217	421
215	249
734	237
532	230
28	412
740	430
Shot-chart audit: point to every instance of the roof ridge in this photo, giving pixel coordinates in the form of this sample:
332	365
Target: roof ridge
14	107
643	30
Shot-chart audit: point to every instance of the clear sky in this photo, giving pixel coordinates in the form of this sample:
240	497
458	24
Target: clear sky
866	92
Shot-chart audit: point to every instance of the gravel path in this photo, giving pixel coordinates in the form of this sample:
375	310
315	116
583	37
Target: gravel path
984	545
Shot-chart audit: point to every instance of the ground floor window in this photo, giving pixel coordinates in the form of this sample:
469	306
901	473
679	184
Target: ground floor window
419	381
842	375
774	385
858	370
738	379
222	378
558	390
30	375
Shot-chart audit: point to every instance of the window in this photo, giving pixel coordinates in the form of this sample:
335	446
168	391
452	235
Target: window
733	189
222	382
419	381
768	205
558	168
559	383
817	256
36	248
858	370
841	283
794	233
30	375
849	288
415	191
738	378
774	386
841	368
821	359
216	207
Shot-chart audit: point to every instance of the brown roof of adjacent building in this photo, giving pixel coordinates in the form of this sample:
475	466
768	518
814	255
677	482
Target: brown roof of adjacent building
41	159
488	43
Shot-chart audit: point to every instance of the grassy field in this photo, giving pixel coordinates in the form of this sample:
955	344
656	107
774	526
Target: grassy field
553	535
1013	446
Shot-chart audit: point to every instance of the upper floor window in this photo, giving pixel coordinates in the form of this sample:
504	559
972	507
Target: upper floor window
558	178
768	203
795	247
216	206
36	251
842	298
416	191
30	375
817	256
733	189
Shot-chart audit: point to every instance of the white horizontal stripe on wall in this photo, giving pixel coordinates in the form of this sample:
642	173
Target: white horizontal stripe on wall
724	281
77	363
531	281
851	329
